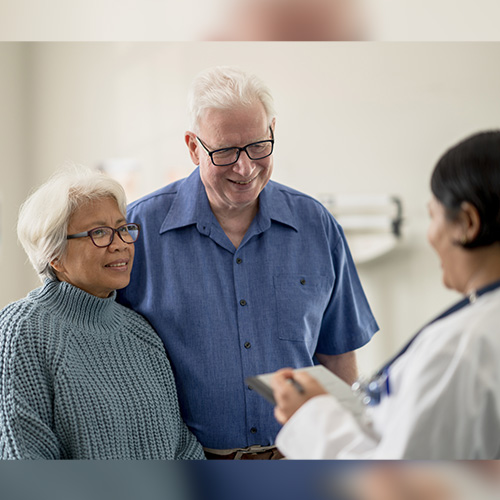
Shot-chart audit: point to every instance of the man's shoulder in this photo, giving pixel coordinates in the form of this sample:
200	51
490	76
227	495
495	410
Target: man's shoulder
293	193
161	197
294	198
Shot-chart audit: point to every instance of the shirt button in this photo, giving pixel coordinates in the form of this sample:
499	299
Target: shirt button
238	261
253	430
247	345
243	302
302	281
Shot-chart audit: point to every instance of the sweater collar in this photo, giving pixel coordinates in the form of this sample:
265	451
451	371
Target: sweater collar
76	305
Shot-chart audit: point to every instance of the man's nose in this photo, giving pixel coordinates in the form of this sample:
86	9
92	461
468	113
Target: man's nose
244	166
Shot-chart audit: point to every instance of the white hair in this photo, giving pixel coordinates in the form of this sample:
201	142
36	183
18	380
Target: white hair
44	217
224	87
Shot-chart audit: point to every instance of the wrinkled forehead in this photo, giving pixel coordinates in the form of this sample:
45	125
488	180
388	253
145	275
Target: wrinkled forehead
251	113
235	126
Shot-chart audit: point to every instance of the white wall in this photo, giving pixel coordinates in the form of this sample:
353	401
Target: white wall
15	137
435	20
155	20
106	20
352	118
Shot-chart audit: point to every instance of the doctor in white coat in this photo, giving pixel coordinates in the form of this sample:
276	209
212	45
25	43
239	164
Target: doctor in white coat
440	397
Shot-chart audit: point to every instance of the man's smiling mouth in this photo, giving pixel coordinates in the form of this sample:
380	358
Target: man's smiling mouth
242	183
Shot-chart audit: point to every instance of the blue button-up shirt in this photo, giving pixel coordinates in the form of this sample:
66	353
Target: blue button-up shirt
224	313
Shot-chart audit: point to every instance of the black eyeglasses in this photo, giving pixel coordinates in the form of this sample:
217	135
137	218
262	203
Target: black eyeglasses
227	156
103	236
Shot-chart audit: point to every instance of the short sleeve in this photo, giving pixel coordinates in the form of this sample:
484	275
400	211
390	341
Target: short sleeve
348	311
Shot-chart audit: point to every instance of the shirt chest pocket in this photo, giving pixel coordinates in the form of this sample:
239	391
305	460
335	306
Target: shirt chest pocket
301	301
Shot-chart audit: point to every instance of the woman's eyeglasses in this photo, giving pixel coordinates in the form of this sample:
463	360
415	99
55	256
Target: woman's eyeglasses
103	236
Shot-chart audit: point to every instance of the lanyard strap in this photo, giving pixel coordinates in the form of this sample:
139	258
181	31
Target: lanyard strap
378	385
454	308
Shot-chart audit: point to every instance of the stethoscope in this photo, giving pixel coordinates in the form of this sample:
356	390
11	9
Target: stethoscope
372	390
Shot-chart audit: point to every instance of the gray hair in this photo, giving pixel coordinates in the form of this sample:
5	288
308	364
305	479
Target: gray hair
224	87
44	217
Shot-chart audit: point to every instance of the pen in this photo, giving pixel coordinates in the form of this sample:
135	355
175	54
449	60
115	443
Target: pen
297	386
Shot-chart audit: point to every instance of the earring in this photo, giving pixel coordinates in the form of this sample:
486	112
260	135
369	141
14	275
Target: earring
464	240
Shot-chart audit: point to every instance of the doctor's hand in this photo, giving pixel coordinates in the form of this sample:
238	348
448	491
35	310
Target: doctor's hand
287	396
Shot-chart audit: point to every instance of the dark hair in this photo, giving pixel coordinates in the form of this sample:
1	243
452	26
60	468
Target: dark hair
470	171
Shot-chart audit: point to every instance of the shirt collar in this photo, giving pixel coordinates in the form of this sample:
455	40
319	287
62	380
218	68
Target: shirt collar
191	206
273	205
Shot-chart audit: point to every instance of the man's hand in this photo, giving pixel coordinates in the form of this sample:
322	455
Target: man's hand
288	398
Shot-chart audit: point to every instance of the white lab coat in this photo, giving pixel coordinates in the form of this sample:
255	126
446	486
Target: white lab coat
444	402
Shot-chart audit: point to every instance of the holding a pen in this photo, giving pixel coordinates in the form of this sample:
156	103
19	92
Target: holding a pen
297	386
300	387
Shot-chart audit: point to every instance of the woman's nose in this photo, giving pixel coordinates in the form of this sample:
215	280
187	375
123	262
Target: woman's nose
117	243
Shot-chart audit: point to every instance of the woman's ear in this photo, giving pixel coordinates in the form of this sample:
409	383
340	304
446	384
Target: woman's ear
470	221
57	265
192	145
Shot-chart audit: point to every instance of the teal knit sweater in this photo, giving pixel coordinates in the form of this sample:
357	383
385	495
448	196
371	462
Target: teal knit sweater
86	378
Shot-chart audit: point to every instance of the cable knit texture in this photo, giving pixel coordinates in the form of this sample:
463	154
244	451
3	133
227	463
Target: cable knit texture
86	378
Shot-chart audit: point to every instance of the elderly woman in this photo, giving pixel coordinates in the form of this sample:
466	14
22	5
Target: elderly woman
440	397
83	377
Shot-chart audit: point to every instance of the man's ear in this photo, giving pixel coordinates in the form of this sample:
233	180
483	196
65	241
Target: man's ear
193	147
273	125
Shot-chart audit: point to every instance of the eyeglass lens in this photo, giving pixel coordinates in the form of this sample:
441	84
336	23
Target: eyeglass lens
256	151
103	236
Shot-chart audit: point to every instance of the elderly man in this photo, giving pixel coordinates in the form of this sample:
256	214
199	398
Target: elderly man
240	275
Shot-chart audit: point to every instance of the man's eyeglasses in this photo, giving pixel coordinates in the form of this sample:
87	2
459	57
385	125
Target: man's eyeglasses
103	236
227	156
